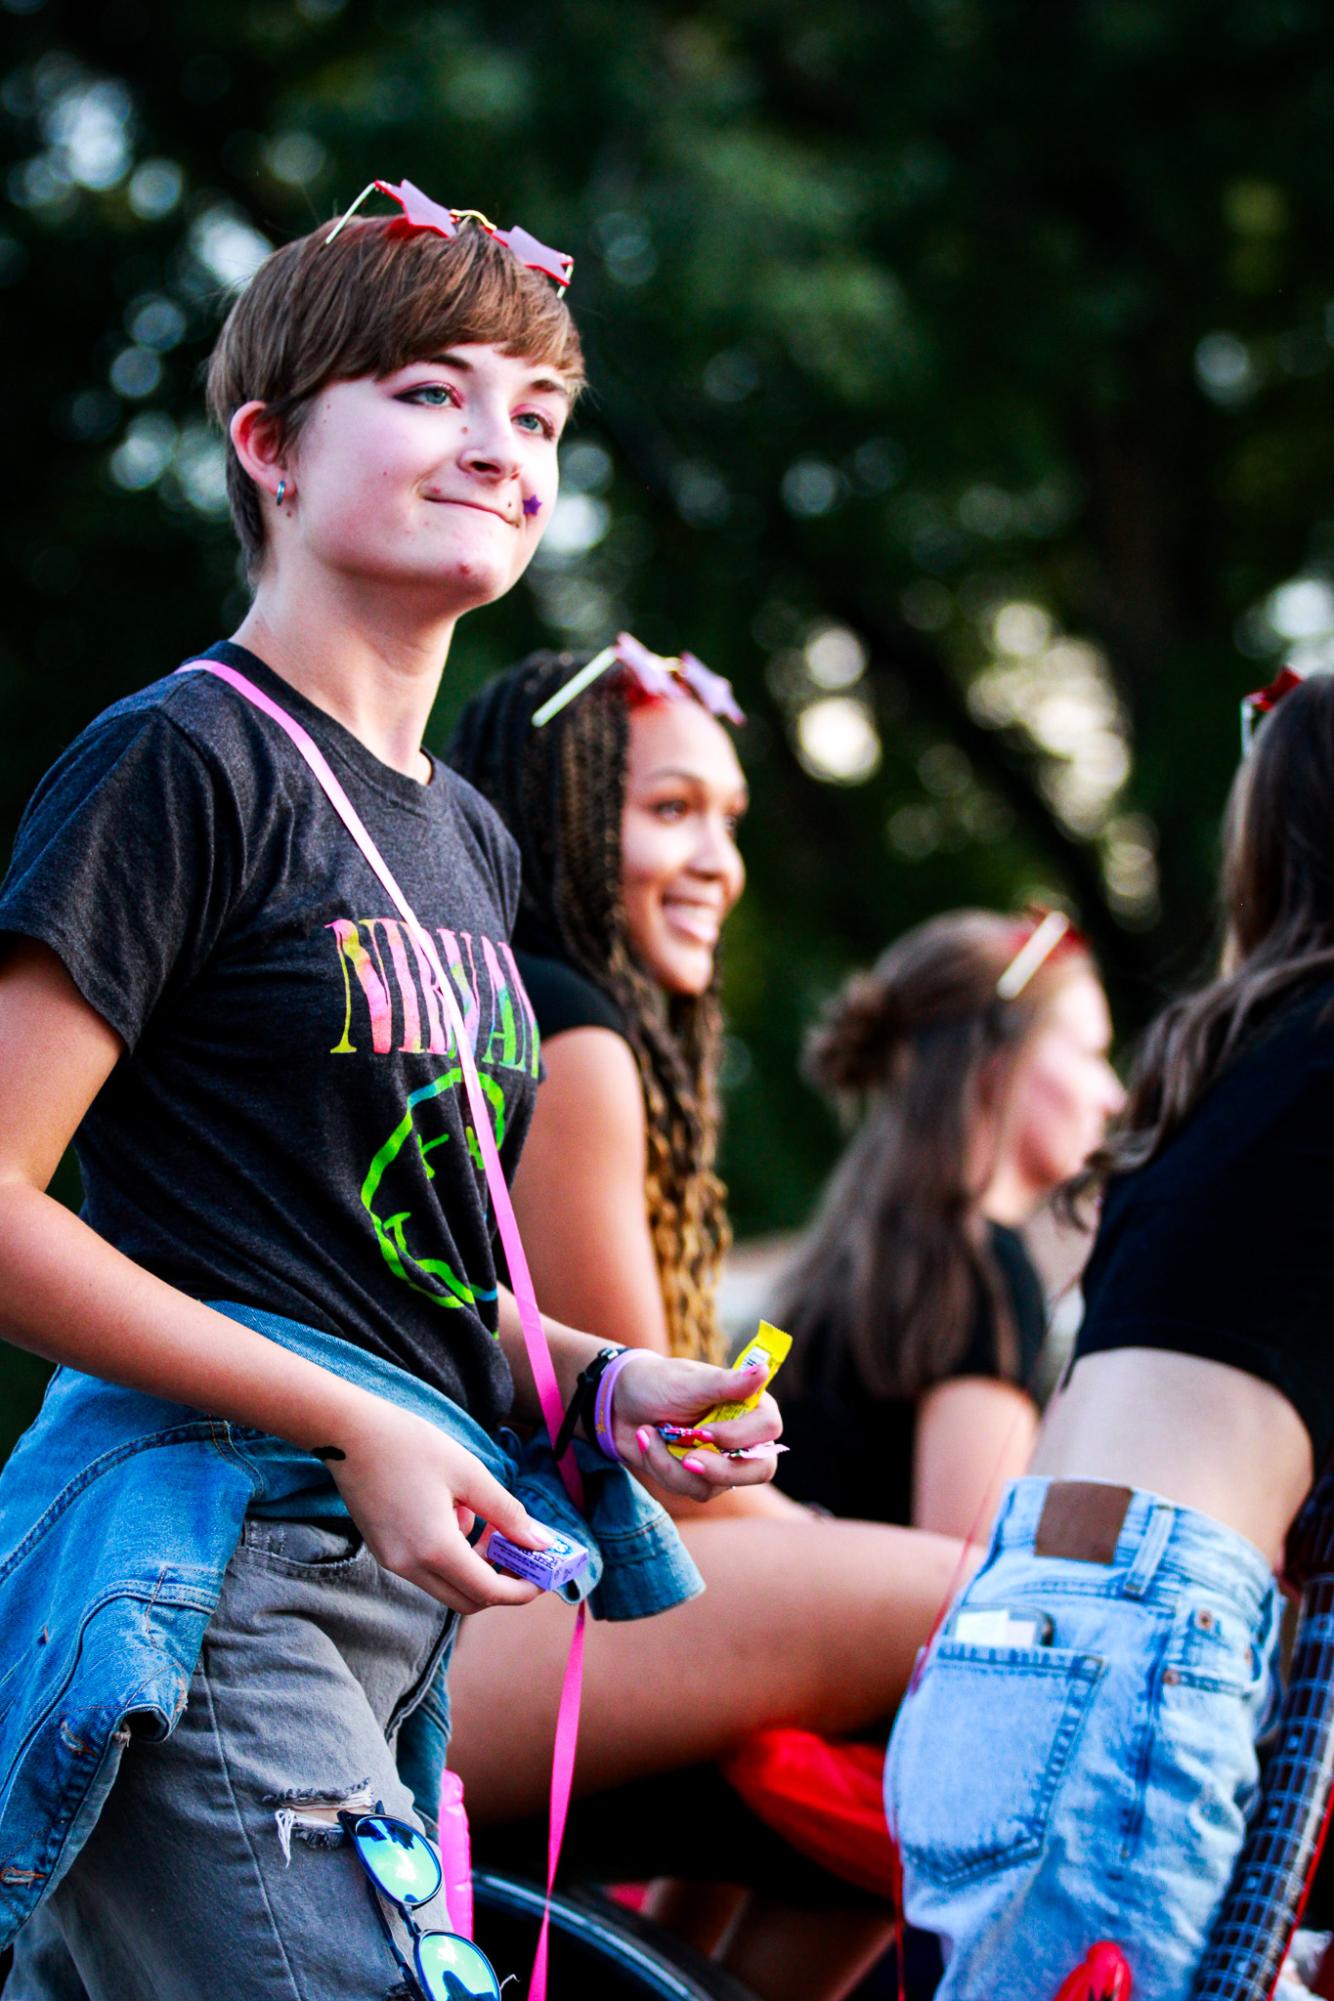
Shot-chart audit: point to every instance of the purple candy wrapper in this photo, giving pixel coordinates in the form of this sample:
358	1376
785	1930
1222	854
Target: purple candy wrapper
552	1568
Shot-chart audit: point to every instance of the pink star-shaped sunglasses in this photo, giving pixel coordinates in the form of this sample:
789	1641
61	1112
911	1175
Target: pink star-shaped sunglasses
674	680
420	212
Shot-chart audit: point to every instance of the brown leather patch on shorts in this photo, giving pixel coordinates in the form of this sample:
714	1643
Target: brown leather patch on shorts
1081	1520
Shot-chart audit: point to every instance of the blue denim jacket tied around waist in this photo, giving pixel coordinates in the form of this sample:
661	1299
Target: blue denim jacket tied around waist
119	1513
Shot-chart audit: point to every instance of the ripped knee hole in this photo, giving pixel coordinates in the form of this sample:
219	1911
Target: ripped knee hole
310	1814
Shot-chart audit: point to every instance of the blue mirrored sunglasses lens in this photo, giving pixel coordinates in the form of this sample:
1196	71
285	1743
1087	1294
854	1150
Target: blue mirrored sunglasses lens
401	1860
452	1969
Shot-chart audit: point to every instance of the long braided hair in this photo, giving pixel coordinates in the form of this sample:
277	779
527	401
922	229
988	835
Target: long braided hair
561	792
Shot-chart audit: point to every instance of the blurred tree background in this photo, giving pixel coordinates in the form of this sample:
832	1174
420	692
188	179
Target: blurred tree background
962	388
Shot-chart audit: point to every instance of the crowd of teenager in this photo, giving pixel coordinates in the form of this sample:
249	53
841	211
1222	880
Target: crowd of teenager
309	1057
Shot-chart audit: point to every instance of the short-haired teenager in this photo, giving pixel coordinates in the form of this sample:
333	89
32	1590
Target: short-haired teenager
231	1582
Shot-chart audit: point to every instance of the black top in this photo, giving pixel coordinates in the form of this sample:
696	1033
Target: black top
854	1454
287	1127
1223	1245
562	998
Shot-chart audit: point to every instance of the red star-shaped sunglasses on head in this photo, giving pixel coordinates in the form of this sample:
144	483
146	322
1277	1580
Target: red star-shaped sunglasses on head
1261	700
654	675
420	212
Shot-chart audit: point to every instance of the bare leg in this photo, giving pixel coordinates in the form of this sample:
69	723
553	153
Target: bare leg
816	1623
784	1954
701	1913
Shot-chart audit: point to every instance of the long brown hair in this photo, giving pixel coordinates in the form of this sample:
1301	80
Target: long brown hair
1278	923
890	1275
561	792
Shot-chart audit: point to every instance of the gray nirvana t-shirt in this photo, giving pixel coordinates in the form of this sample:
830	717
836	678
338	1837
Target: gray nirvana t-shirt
287	1126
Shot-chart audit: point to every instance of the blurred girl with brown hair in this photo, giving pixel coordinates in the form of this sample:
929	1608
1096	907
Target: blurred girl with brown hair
974	1053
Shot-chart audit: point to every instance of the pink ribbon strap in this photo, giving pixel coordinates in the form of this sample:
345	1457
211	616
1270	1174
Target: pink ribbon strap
562	1785
530	1320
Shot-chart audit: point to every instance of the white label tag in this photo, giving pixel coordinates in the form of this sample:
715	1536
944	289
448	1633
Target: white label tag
982	1629
996	1628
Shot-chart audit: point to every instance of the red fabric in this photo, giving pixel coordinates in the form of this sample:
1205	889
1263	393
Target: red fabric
825	1798
1324	1979
1104	1976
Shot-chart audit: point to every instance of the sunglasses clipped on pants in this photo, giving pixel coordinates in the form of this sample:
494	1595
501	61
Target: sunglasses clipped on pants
402	1868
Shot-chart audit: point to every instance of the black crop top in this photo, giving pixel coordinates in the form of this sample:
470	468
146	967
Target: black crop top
1222	1246
853	1453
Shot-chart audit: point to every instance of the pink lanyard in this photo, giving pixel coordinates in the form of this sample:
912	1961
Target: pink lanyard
530	1320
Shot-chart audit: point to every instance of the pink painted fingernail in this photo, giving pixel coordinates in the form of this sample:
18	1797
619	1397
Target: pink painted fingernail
693	1465
642	1437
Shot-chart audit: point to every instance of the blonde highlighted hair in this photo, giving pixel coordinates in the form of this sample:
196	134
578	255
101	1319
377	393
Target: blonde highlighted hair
561	792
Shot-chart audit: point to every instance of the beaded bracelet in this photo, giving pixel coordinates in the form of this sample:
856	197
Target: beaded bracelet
602	1419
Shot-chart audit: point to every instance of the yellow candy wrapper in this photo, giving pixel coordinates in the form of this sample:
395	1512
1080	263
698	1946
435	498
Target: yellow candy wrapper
774	1346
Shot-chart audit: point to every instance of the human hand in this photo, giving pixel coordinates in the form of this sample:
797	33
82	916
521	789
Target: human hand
415	1495
654	1389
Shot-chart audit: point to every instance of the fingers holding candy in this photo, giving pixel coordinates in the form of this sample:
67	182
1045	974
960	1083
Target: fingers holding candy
701	1474
698	1429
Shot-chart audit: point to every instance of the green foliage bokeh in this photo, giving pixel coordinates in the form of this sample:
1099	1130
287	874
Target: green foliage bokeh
895	317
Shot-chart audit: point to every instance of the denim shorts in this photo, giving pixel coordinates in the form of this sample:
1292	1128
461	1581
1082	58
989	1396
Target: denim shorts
1080	1764
217	1865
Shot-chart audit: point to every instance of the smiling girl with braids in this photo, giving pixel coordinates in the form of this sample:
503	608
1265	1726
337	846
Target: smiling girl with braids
625	806
581	907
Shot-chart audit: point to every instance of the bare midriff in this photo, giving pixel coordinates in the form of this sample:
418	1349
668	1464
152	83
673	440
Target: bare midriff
1200	1433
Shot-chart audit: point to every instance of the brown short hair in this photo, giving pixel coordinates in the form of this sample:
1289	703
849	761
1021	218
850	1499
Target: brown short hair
371	302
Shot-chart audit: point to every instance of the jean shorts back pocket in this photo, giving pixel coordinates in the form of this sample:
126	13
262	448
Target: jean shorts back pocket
979	1752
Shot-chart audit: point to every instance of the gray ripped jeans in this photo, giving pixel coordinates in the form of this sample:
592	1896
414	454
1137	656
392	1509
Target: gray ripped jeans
217	1865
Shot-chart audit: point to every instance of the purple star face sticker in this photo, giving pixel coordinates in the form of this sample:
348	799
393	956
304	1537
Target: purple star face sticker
532	505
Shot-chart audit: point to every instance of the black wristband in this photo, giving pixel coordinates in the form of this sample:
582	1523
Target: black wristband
582	1399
